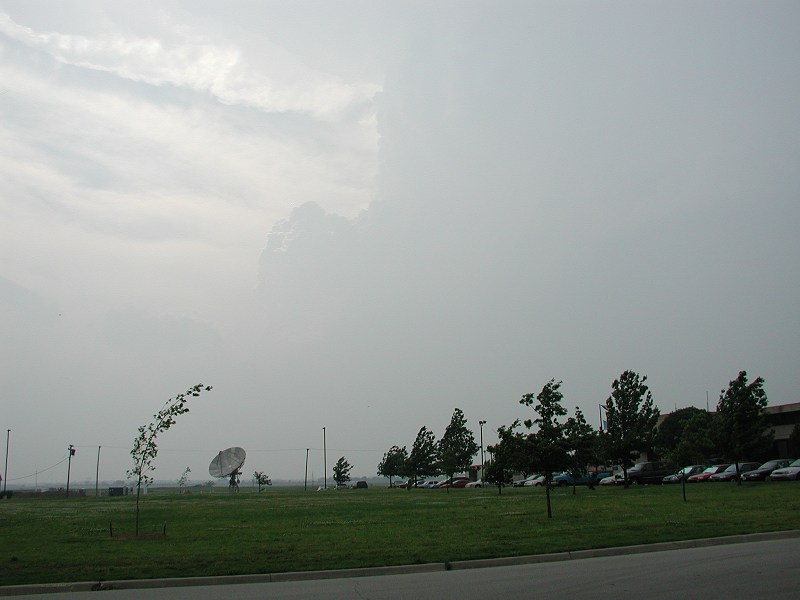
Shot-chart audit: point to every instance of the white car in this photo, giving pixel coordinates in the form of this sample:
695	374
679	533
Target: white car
474	484
617	479
790	472
535	482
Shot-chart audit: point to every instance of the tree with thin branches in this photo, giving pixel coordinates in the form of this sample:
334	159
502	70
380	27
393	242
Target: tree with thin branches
145	448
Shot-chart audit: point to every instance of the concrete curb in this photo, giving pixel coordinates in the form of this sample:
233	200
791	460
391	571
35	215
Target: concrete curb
130	584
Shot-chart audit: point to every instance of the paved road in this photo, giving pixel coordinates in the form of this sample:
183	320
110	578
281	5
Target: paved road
763	570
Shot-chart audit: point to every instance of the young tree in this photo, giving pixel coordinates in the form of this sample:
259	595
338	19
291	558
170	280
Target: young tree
184	478
144	446
548	446
262	479
582	441
341	471
457	446
423	457
632	419
676	439
508	454
394	463
740	424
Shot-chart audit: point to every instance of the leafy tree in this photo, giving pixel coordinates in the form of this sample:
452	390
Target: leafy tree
145	448
184	478
549	445
695	443
262	479
457	446
394	463
341	471
507	456
740	425
670	436
423	457
582	441
632	419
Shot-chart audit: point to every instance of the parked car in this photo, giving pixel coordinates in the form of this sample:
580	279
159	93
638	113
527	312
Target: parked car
523	482
647	472
452	481
615	479
683	473
765	470
428	484
537	481
564	479
790	472
474	484
460	483
729	474
706	474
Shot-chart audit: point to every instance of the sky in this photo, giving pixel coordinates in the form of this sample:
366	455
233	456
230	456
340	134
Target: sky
361	215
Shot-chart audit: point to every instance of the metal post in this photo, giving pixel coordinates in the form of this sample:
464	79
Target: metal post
5	471
481	424
325	458
305	478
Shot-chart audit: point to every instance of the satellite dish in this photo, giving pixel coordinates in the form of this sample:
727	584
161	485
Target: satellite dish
227	462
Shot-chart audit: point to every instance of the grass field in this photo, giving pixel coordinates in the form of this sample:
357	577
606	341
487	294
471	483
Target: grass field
284	529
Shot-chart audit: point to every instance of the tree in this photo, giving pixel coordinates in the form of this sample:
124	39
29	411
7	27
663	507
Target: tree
145	448
262	479
632	419
423	457
678	441
548	445
341	471
582	441
457	446
184	478
507	456
394	463
740	425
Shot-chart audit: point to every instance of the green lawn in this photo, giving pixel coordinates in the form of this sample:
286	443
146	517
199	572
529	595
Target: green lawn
283	529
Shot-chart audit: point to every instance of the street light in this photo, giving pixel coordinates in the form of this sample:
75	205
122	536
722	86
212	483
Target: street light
325	458
481	424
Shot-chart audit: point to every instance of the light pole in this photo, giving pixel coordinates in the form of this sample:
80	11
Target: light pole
5	471
71	451
324	459
481	424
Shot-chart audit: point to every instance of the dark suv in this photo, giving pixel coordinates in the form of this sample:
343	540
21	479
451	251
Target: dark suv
648	472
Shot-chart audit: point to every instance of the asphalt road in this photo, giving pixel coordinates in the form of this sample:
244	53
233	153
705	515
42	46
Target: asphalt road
765	569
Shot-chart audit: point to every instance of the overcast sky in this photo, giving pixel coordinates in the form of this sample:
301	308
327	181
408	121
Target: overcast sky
361	215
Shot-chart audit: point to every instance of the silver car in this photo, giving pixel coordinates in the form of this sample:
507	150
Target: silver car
792	472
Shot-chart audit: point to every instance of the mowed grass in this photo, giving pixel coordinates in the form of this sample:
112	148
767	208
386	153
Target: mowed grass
63	540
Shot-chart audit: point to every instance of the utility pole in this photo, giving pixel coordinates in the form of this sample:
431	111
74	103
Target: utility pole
97	475
5	471
481	424
325	458
71	451
305	478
